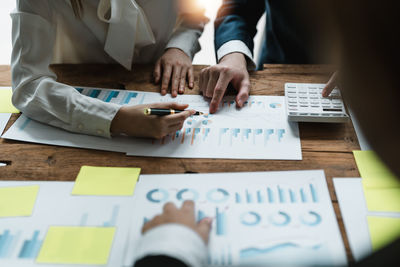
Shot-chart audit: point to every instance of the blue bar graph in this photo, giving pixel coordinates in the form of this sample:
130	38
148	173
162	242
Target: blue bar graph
313	193
245	134
303	196
200	215
238	198
281	195
94	93
128	98
206	131
110	96
8	243
270	195
260	197
292	196
221	222
31	247
222	132
249	197
256	132
5	240
267	134
113	220
280	133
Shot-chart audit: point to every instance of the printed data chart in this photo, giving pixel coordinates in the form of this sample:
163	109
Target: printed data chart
259	219
259	130
22	238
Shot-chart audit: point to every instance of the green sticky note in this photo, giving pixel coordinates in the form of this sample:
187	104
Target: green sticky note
373	171
387	200
383	231
17	201
106	181
77	245
6	105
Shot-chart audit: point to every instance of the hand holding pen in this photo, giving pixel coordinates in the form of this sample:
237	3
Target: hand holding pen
132	120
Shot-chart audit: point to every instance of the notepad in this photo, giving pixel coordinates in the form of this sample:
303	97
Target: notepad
6	105
383	231
77	245
374	172
17	201
106	181
381	187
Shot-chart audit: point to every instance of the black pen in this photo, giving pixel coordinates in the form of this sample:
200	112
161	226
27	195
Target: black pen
165	112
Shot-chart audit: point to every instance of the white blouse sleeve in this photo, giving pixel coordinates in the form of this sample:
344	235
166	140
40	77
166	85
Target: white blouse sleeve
186	36
36	92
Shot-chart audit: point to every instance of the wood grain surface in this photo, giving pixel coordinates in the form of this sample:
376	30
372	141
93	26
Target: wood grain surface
325	146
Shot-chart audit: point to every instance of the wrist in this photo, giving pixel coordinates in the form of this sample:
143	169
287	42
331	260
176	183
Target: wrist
117	123
235	59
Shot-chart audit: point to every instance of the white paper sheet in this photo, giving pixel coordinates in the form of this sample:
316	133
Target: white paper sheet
55	206
259	219
4	118
260	130
353	207
354	211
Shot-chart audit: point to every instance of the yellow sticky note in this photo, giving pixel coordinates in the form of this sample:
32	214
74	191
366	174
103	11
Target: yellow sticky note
5	101
383	231
106	181
17	201
373	171
387	200
77	245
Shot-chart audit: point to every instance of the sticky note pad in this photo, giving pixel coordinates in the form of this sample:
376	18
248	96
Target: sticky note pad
373	171
17	201
387	200
6	105
77	245
106	181
383	231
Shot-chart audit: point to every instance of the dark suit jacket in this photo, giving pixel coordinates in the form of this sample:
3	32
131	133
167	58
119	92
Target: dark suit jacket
289	40
388	257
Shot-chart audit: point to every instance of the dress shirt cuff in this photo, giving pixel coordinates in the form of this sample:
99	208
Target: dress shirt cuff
186	40
175	241
237	46
95	118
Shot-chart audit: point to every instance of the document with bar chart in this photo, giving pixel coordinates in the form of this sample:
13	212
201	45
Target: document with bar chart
22	238
259	219
259	130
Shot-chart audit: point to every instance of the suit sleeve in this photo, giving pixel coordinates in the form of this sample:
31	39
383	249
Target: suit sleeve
170	244
160	260
237	21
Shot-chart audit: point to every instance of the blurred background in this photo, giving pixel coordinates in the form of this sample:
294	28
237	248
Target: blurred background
205	57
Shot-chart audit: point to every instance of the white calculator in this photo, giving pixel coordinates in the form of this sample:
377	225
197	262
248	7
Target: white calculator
304	103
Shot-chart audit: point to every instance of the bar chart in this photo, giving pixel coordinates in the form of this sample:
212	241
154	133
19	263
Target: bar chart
258	219
14	244
249	136
114	96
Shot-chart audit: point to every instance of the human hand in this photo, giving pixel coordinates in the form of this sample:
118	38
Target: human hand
185	216
176	68
214	80
132	121
332	83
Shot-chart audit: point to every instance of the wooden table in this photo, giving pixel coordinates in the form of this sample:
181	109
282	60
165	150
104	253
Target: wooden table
325	146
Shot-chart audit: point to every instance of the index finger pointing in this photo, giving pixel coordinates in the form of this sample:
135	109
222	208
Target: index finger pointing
219	92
